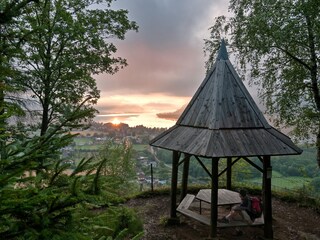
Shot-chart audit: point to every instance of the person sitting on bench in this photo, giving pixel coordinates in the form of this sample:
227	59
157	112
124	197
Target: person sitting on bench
243	209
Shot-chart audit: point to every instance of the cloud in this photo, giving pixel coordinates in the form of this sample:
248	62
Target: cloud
167	23
111	117
166	55
172	115
117	108
166	60
172	72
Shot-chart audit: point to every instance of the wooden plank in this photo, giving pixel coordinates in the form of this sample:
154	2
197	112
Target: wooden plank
220	143
205	220
242	223
183	118
185	174
196	216
183	209
225	196
248	97
185	203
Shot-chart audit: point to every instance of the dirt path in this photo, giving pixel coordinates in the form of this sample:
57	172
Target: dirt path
290	222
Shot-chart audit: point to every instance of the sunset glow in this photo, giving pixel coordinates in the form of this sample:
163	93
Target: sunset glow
115	121
166	65
134	109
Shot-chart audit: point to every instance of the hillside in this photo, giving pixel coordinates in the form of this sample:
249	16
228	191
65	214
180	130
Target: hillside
291	222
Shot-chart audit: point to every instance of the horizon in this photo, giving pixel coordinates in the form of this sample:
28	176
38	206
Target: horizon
146	119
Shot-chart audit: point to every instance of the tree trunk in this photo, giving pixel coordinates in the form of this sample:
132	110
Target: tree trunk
314	76
318	147
45	119
2	123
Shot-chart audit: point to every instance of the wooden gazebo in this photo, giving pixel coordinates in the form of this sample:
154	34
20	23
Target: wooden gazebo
223	121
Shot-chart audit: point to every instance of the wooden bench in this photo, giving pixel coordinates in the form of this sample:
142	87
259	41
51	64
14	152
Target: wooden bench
183	209
239	223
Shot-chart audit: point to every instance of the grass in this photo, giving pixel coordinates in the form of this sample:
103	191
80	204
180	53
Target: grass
88	147
282	182
290	182
140	147
82	141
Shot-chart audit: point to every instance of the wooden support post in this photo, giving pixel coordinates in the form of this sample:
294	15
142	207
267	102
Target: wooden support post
214	197
184	184
229	172
267	197
151	169
174	183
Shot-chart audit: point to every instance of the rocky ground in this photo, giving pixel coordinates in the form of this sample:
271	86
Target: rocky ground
290	222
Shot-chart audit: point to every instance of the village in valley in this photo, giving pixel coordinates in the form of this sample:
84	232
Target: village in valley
91	140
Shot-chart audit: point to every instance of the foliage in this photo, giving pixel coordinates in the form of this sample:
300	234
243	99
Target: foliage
115	222
47	204
277	42
315	184
68	45
164	155
302	165
11	39
114	162
164	220
50	49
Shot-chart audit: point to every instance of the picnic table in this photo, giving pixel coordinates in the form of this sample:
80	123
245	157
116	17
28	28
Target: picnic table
225	197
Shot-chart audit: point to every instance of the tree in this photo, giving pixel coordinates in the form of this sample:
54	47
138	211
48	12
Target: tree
70	43
315	184
115	165
277	42
54	204
11	38
50	204
11	9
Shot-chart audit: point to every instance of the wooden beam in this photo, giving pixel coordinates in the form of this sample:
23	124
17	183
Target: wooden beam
203	166
214	197
185	174
151	169
224	170
267	194
229	172
174	184
185	157
253	164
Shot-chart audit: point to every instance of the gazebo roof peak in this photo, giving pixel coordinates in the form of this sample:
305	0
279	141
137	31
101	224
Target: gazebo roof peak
223	53
223	120
222	101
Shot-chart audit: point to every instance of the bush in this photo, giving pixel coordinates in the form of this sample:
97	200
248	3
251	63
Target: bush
49	204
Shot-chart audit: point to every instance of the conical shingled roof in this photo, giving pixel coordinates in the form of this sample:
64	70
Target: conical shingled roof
222	101
222	120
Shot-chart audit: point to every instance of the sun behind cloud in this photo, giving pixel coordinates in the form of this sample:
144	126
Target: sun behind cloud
115	121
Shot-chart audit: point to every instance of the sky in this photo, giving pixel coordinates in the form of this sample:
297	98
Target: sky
166	62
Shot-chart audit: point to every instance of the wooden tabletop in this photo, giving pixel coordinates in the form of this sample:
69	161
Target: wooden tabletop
225	196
